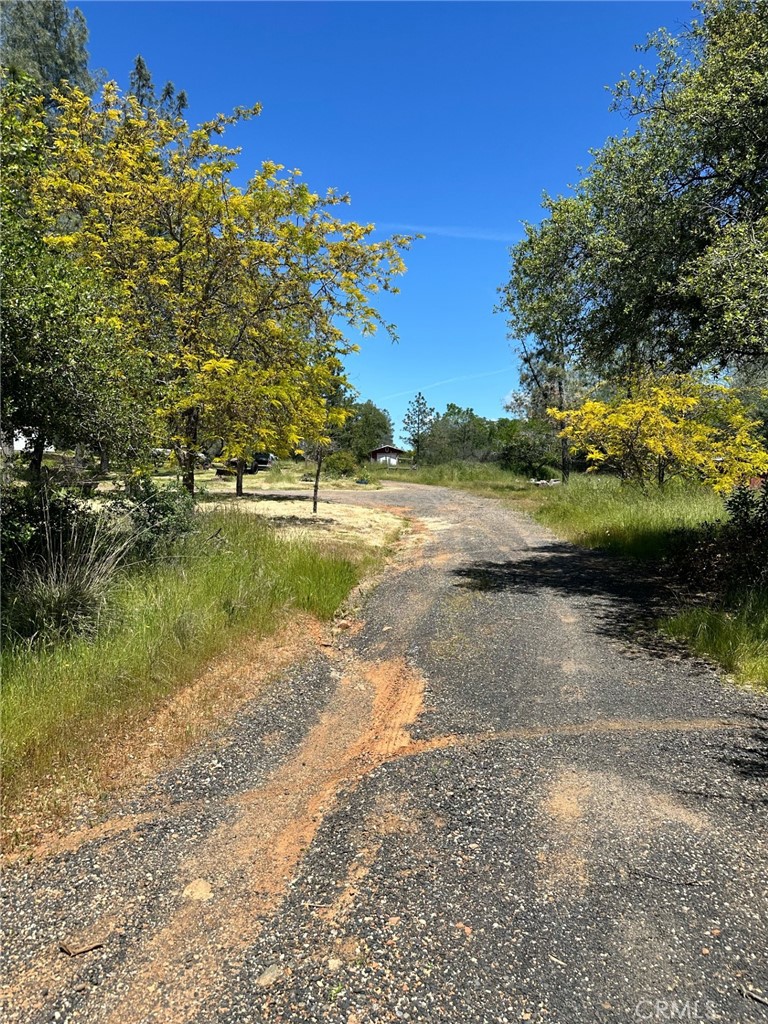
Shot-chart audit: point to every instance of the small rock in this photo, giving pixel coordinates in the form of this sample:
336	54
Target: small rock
198	890
270	976
334	964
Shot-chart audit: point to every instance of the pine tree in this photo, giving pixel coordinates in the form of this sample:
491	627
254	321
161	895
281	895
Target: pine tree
416	423
46	40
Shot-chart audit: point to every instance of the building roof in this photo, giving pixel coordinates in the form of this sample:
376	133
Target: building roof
387	448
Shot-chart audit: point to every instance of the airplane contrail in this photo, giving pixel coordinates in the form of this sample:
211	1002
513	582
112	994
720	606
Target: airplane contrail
450	380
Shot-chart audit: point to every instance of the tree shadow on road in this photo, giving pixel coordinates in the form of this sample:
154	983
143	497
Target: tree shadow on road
751	760
627	596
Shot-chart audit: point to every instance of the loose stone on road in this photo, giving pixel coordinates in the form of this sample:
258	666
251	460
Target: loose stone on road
501	799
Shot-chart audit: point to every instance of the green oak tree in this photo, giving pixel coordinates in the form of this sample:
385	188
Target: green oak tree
367	428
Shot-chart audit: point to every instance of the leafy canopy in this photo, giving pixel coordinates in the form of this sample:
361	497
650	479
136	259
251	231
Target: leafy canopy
672	424
237	299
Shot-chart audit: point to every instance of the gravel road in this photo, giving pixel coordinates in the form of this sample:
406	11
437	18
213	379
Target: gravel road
496	797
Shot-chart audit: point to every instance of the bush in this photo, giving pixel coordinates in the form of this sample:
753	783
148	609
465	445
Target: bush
340	464
158	516
60	558
36	522
530	449
728	557
60	555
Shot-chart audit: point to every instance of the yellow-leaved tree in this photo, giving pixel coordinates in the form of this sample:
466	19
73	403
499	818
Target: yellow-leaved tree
237	297
668	424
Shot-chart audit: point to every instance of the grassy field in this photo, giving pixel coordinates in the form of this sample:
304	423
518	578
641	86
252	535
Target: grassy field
598	512
236	575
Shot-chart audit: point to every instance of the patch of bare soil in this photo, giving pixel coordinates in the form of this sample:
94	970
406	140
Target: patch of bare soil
341	523
579	807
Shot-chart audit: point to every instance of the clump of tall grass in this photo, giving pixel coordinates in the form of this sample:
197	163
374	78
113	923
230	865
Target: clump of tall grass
234	575
601	512
61	555
65	590
736	636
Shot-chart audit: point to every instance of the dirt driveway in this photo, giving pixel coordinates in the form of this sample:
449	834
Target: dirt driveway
499	800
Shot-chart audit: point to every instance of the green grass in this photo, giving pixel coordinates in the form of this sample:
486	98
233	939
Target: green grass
484	478
600	512
736	639
593	511
165	622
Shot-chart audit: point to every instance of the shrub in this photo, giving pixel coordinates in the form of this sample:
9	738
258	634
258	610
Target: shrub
340	464
60	555
530	448
728	556
677	423
36	521
60	558
158	516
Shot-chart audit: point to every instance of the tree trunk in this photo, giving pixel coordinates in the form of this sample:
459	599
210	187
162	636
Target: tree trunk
239	471
187	460
188	457
565	455
661	472
565	460
36	459
103	461
317	484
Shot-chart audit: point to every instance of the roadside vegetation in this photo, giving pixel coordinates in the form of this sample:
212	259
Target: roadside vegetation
150	627
636	308
156	312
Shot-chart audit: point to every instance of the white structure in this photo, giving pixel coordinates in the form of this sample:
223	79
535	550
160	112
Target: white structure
387	454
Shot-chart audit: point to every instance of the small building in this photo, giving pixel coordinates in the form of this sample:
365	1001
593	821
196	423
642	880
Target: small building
386	453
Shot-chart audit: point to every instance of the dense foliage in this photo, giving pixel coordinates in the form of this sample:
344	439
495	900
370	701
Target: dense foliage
660	255
658	259
673	425
151	301
727	557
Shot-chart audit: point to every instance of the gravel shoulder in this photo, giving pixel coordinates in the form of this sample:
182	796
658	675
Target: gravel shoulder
499	799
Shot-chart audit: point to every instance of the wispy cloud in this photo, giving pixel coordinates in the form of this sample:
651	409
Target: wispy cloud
444	231
450	380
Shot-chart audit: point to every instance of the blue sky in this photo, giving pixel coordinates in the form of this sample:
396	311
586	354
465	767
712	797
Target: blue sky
446	118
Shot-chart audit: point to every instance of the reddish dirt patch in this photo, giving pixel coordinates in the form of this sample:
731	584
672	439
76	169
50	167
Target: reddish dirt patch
249	862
